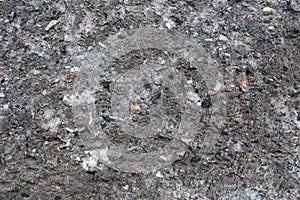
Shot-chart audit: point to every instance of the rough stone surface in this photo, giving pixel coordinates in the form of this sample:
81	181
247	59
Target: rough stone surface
139	99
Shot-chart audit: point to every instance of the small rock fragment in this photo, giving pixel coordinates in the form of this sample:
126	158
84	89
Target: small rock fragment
102	45
268	11
173	8
192	96
257	55
74	69
163	158
135	108
211	92
54	123
242	80
181	170
170	24
294	5
2	95
48	115
159	175
229	87
195	159
51	24
69	130
135	117
6	106
35	72
238	120
219	3
223	38
72	76
245	4
126	187
66	38
271	28
208	40
177	194
135	189
25	195
206	103
186	141
11	16
181	153
227	55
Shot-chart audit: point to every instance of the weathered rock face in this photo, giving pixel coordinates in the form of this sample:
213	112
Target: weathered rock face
140	99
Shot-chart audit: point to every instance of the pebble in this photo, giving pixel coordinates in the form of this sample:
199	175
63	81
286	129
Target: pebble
257	55
74	69
192	96
190	82
206	103
126	187
219	3
51	24
186	141
69	130
268	11
25	195
227	55
6	106
223	38
211	92
208	40
66	38
11	16
159	175
195	159
135	189
52	124
2	95
242	80
135	117
218	86
144	106
102	45
48	115
295	6
173	8
170	24
163	158
245	4
271	28
177	194
135	108
36	72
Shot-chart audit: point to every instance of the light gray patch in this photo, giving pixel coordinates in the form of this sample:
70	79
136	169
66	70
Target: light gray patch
125	89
